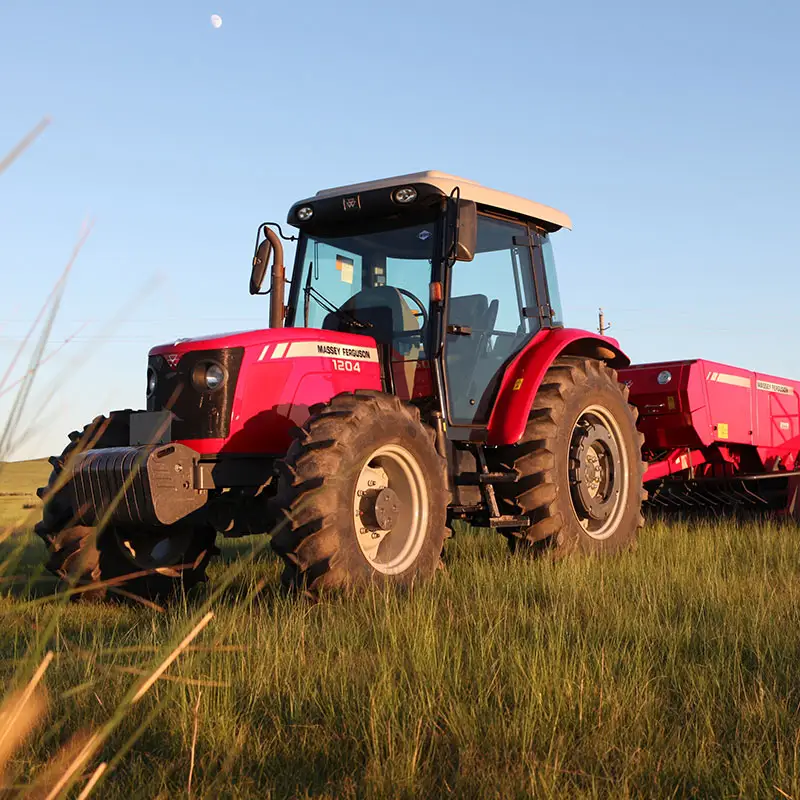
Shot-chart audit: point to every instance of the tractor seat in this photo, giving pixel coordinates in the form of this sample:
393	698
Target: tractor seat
476	312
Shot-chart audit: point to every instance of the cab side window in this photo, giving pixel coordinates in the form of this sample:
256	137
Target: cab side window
492	313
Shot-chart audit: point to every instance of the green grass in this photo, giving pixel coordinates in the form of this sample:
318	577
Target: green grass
672	671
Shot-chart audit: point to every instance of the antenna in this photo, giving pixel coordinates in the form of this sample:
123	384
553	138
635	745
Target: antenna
601	323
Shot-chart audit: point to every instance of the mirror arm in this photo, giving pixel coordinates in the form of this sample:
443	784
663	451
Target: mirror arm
265	226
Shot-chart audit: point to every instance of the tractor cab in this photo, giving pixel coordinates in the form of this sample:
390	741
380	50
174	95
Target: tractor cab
449	278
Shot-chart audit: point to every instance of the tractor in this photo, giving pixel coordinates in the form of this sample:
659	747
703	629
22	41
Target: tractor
416	370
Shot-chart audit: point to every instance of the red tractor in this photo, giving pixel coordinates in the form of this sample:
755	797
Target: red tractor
417	372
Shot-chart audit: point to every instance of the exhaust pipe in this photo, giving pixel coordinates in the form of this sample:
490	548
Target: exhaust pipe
278	282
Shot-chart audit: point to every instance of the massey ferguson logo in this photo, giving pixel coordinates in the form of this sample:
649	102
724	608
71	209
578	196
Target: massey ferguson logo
172	359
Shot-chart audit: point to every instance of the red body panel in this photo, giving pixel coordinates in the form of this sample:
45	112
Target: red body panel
747	420
284	371
525	373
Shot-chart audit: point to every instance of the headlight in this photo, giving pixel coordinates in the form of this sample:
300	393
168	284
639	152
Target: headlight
408	194
208	376
215	376
664	377
304	213
152	380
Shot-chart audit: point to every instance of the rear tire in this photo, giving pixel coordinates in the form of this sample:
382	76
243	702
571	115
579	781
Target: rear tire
365	495
579	465
81	555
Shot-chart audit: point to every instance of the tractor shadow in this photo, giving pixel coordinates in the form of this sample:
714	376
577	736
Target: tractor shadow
247	571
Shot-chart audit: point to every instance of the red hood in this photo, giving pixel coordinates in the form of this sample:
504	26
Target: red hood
249	339
280	373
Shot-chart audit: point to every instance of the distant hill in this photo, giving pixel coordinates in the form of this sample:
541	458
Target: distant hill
23	477
18	483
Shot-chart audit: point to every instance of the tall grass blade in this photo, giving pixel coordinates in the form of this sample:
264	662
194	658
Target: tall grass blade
24	144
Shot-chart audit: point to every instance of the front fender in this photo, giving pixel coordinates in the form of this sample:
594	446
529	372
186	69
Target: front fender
525	373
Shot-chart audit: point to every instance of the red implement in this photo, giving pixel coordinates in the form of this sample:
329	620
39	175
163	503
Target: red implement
716	434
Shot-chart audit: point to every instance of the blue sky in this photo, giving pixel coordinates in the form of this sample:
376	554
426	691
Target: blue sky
669	132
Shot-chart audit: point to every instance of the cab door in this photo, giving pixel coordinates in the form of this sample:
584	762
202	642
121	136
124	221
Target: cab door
496	303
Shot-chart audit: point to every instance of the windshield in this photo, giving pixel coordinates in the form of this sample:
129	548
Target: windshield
374	283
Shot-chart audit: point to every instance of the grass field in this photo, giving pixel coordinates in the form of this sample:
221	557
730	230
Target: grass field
673	671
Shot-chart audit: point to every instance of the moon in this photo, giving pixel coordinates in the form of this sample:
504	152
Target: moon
216	21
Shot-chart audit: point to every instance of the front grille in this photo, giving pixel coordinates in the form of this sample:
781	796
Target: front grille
196	414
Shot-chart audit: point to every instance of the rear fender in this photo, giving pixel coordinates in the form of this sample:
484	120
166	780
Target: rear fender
525	374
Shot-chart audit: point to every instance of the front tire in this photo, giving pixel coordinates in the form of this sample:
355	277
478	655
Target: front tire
365	495
579	465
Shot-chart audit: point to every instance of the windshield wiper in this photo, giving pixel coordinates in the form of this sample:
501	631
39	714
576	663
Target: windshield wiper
310	292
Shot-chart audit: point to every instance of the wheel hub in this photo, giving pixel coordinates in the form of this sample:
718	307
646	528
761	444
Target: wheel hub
387	508
378	508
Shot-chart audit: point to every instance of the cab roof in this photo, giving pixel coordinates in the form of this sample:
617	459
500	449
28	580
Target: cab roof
470	190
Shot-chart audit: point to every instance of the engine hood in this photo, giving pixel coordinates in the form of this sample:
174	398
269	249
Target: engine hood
266	336
274	376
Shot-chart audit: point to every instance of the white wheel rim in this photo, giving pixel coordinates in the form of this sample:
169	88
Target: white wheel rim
622	484
391	551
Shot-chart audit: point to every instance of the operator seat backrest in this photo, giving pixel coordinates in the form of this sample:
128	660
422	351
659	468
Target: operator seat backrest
471	310
380	306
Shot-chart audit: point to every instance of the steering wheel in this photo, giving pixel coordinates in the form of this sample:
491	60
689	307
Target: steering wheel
422	309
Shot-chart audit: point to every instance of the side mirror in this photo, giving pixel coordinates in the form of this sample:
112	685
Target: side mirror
271	246
260	265
467	234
